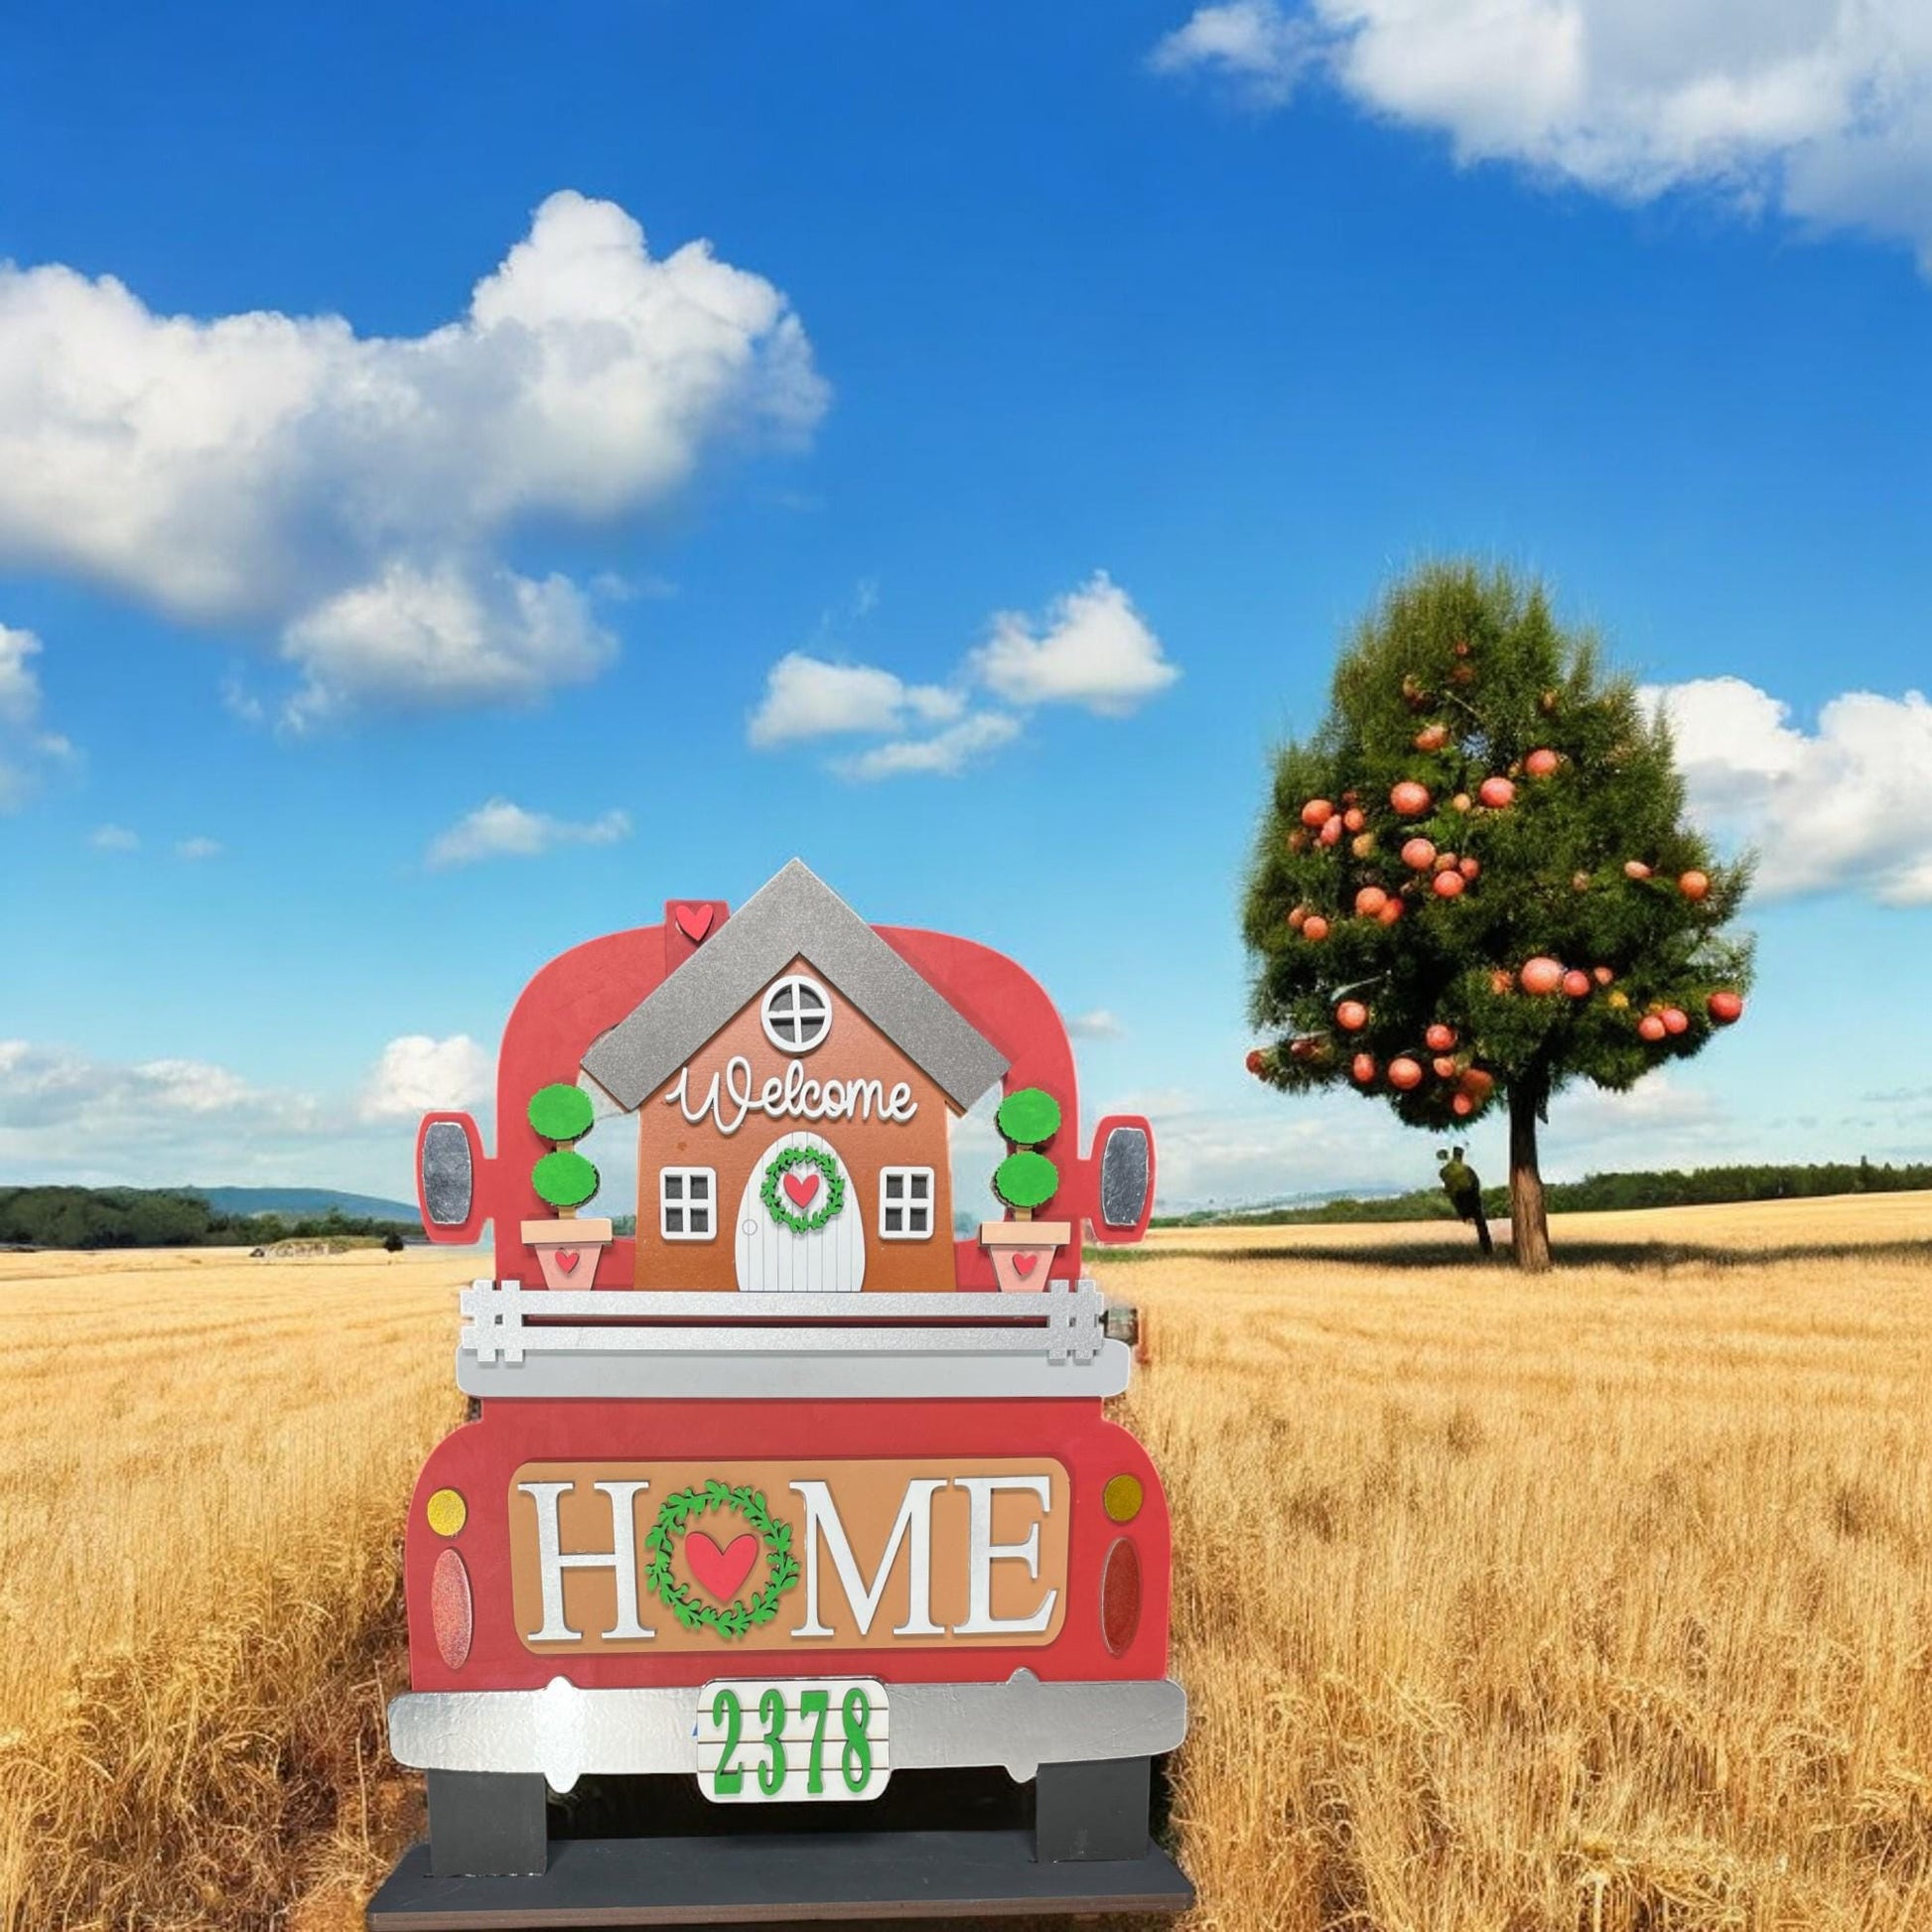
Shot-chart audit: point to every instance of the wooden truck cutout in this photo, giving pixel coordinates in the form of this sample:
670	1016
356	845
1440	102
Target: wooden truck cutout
793	1493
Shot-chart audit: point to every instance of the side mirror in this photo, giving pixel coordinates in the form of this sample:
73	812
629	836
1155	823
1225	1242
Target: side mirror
449	1154
1124	1188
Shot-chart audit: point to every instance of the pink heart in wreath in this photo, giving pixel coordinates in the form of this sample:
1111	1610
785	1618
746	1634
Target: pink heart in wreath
721	1572
801	1185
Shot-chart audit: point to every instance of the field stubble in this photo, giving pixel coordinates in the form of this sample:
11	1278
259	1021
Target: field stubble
1600	1601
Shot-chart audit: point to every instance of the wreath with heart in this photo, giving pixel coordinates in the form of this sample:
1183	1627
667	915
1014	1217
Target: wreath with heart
742	1613
791	1213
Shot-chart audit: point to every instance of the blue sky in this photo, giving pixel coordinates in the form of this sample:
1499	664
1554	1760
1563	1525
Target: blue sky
462	482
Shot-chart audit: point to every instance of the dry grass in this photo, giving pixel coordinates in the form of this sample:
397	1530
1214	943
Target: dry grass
1602	1603
207	1464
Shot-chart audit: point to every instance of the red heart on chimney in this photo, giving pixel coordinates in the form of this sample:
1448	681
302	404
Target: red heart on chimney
566	1259
801	1186
694	921
721	1572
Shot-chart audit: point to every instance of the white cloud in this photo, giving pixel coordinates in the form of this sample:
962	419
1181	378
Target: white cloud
419	1075
114	838
807	697
1821	107
195	850
946	753
27	748
1844	807
1097	1024
345	492
1251	44
500	829
1094	649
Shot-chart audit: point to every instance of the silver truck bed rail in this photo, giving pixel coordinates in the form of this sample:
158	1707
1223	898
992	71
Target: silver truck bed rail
549	1343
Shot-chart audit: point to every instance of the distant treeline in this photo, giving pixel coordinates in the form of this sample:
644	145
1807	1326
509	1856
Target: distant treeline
144	1217
1601	1191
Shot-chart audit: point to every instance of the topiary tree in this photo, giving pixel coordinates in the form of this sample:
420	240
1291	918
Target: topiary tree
1027	1178
1475	881
563	1178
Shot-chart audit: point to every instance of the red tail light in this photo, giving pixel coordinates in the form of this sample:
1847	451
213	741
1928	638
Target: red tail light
452	1613
1119	1595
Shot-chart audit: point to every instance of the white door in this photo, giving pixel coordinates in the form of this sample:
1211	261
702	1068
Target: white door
775	1256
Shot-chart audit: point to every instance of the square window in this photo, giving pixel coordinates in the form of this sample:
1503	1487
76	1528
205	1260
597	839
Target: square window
685	1198
906	1198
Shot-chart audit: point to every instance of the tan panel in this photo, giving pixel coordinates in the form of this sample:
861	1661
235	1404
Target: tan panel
854	1050
867	1497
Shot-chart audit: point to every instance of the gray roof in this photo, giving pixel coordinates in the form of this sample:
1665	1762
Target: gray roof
792	914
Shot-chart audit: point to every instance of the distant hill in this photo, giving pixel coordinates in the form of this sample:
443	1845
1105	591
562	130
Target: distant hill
302	1203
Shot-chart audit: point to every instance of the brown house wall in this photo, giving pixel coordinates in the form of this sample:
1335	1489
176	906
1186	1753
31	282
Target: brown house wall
854	1050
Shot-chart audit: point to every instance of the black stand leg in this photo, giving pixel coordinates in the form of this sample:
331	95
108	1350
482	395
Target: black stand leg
486	1824
1096	1809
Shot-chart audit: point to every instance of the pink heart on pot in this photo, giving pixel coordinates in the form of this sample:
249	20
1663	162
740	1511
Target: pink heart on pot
566	1259
1023	1265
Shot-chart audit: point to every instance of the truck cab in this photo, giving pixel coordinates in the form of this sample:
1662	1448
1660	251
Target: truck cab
803	1484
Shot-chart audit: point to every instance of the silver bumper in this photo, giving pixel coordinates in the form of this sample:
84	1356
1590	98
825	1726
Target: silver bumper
567	1733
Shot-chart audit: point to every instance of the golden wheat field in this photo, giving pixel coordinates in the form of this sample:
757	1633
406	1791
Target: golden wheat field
1600	1601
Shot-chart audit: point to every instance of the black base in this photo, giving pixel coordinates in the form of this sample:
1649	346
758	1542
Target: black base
758	1879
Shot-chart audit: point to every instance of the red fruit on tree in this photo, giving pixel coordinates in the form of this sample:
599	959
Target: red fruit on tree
1409	798
1404	1074
1576	984
1601	974
1541	762
1651	1026
1371	901
1314	926
1461	1104
1444	1066
1497	792
1725	1007
1418	854
1541	974
1449	884
1330	833
1255	1061
1468	867
1446	862
1461	802
1390	912
1439	1038
1432	737
1694	884
1301	1048
1317	813
1298	919
1361	1068
1352	1016
1635	869
1500	981
1353	818
1478	1084
1675	1019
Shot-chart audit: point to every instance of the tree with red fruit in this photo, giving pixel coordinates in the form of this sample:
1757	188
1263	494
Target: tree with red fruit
1547	913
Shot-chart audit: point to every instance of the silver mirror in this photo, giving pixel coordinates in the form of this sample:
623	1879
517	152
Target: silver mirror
1124	1165
448	1179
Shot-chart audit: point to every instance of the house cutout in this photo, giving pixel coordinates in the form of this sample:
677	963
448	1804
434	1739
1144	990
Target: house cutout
792	1079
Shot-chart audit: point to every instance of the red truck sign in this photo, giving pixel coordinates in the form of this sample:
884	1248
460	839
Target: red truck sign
798	1487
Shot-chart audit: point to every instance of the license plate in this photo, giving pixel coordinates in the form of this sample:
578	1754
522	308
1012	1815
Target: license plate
771	1739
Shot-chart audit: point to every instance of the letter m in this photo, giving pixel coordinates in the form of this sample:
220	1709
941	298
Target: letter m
913	1525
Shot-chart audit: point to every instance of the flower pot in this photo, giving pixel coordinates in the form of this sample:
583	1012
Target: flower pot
1023	1251
568	1251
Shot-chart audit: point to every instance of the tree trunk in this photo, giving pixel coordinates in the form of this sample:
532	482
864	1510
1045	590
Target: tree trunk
1528	1219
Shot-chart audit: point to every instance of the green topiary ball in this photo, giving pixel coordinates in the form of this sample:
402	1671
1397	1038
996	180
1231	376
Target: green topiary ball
1026	1179
561	1112
564	1178
1028	1115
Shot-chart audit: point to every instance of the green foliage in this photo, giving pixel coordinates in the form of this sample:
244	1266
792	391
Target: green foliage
1029	1117
561	1112
564	1178
1480	657
1026	1179
144	1217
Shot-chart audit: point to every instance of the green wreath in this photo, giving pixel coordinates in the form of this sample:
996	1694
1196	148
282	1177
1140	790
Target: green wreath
781	1210
675	1517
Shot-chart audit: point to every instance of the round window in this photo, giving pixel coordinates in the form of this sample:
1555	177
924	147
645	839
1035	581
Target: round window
796	1014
